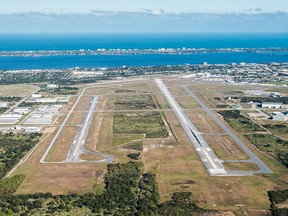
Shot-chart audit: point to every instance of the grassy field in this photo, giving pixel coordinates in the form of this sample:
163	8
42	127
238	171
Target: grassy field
16	90
148	123
225	148
203	122
119	139
62	145
134	102
76	118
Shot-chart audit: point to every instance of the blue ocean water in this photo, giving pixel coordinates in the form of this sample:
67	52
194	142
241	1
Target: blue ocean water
140	41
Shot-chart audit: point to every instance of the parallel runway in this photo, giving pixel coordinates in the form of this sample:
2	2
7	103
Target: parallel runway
253	158
212	163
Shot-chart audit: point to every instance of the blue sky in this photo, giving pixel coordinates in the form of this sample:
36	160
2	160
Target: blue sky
31	16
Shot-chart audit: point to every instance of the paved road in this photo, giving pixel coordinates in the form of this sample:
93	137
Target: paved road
253	158
212	163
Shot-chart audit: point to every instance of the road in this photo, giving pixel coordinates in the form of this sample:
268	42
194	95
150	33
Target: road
253	158
212	163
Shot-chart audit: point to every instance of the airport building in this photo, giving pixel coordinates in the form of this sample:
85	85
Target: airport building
272	105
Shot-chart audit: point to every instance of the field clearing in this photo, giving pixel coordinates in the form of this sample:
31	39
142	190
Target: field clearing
203	122
59	178
76	118
187	102
225	148
83	103
16	90
62	145
120	139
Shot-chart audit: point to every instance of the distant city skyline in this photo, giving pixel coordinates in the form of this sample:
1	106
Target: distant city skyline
64	16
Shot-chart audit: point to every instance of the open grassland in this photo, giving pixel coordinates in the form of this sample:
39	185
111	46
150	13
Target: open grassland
16	90
225	148
69	105
76	118
203	122
59	178
148	123
119	139
62	145
105	140
187	102
83	103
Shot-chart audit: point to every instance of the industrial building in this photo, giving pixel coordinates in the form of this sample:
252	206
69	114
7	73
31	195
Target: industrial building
39	119
10	118
272	105
4	104
21	110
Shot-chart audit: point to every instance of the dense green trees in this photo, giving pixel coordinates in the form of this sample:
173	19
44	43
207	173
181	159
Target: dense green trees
128	191
278	197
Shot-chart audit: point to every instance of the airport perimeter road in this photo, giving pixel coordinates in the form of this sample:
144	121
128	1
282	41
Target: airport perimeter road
253	158
212	163
42	160
77	147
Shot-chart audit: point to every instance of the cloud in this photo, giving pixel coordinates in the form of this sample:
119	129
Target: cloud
144	21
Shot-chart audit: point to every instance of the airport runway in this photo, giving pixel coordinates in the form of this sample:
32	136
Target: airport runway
77	147
253	157
42	160
212	163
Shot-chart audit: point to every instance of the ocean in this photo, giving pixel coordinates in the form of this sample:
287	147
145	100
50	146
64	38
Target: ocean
26	42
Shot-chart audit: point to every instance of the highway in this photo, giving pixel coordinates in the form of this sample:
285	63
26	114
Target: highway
253	157
211	162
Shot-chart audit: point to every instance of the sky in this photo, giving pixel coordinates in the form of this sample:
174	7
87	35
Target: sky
93	16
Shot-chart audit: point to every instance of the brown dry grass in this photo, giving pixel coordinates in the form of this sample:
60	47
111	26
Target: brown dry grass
241	166
83	103
16	90
225	148
59	178
106	133
203	122
62	145
187	102
90	157
76	118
